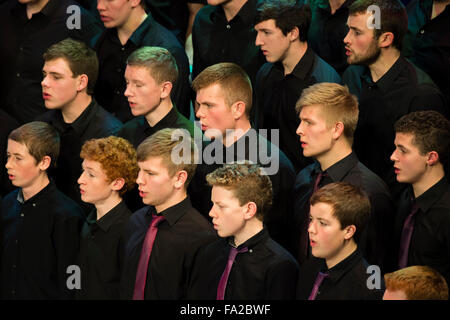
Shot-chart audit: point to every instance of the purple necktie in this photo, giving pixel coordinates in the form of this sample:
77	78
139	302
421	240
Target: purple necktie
141	274
226	273
317	284
405	239
304	236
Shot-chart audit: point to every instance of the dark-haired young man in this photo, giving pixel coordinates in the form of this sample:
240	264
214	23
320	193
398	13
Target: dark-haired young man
282	28
421	159
388	86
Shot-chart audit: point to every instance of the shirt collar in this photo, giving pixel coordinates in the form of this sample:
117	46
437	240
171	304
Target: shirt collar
138	35
386	82
246	14
251	242
109	218
338	170
426	200
174	213
168	121
325	5
38	196
342	268
303	67
48	11
82	122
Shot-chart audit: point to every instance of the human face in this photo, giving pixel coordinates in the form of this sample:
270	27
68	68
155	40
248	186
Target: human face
59	86
315	136
143	92
218	2
409	164
226	213
94	185
156	186
23	169
361	46
115	13
394	295
325	234
213	111
274	44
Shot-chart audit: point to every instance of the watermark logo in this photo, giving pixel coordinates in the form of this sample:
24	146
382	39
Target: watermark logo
374	21
374	280
74	20
74	278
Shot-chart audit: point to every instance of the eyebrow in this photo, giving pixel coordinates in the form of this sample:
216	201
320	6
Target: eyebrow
354	28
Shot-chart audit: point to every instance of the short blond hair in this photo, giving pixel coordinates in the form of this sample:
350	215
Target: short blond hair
162	143
418	283
247	183
336	102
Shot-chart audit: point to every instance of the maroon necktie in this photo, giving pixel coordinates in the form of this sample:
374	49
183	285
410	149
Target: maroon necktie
141	275
226	273
405	240
319	279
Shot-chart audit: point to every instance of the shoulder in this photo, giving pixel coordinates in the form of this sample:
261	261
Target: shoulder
324	72
105	122
264	71
64	206
280	254
203	16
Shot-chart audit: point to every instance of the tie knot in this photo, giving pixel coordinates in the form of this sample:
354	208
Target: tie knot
156	220
234	251
323	275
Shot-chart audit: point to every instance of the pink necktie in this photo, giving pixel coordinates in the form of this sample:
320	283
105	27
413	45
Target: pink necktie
405	240
141	275
320	277
226	273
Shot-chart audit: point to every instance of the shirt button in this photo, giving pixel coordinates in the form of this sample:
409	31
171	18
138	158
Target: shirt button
18	75
34	204
22	215
119	70
228	27
123	48
250	250
422	31
117	92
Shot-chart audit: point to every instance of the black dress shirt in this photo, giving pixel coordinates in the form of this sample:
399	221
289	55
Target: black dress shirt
427	42
376	239
93	123
430	242
138	129
215	39
403	89
256	149
327	32
24	41
8	124
347	280
101	254
265	272
277	94
183	232
41	238
112	56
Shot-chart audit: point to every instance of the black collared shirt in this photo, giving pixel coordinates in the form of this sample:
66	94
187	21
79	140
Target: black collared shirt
327	32
24	41
253	147
214	39
93	123
277	94
112	56
348	280
403	89
183	232
138	129
376	239
427	42
430	242
40	240
265	272
101	253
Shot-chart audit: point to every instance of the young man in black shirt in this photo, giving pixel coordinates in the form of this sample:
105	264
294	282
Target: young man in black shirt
246	263
337	271
129	27
70	71
282	28
421	158
164	237
388	86
328	115
223	105
40	225
109	170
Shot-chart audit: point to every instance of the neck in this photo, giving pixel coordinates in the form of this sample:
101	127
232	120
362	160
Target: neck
40	183
386	60
108	204
432	176
75	108
231	136
231	8
438	8
158	113
335	4
177	196
35	7
295	53
348	248
125	31
338	152
250	228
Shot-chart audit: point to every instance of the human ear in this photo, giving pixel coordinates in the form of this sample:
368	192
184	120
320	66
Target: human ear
433	158
44	164
338	130
180	179
166	88
349	232
117	184
386	39
238	109
250	209
82	82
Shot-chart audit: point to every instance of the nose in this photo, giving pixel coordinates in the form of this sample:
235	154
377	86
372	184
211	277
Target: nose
100	5
258	41
212	213
394	156
127	92
44	82
299	130
311	228
347	38
139	179
200	111
81	178
8	163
